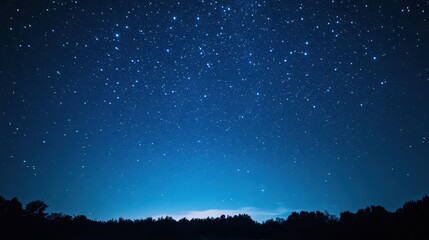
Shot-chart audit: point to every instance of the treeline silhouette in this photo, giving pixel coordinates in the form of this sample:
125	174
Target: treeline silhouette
375	222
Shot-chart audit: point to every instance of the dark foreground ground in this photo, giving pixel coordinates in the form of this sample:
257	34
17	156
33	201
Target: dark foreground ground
374	222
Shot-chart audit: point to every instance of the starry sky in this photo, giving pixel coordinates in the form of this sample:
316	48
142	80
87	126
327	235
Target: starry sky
193	108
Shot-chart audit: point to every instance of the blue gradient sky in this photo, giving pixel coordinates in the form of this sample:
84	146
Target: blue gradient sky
188	108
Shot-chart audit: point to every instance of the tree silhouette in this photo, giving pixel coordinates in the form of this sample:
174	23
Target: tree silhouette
374	222
36	208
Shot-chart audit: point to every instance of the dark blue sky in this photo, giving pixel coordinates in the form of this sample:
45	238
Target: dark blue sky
194	108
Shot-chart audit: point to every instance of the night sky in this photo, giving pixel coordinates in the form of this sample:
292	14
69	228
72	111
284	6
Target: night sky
196	108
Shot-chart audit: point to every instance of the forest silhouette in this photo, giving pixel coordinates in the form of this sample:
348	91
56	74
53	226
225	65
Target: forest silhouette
374	222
